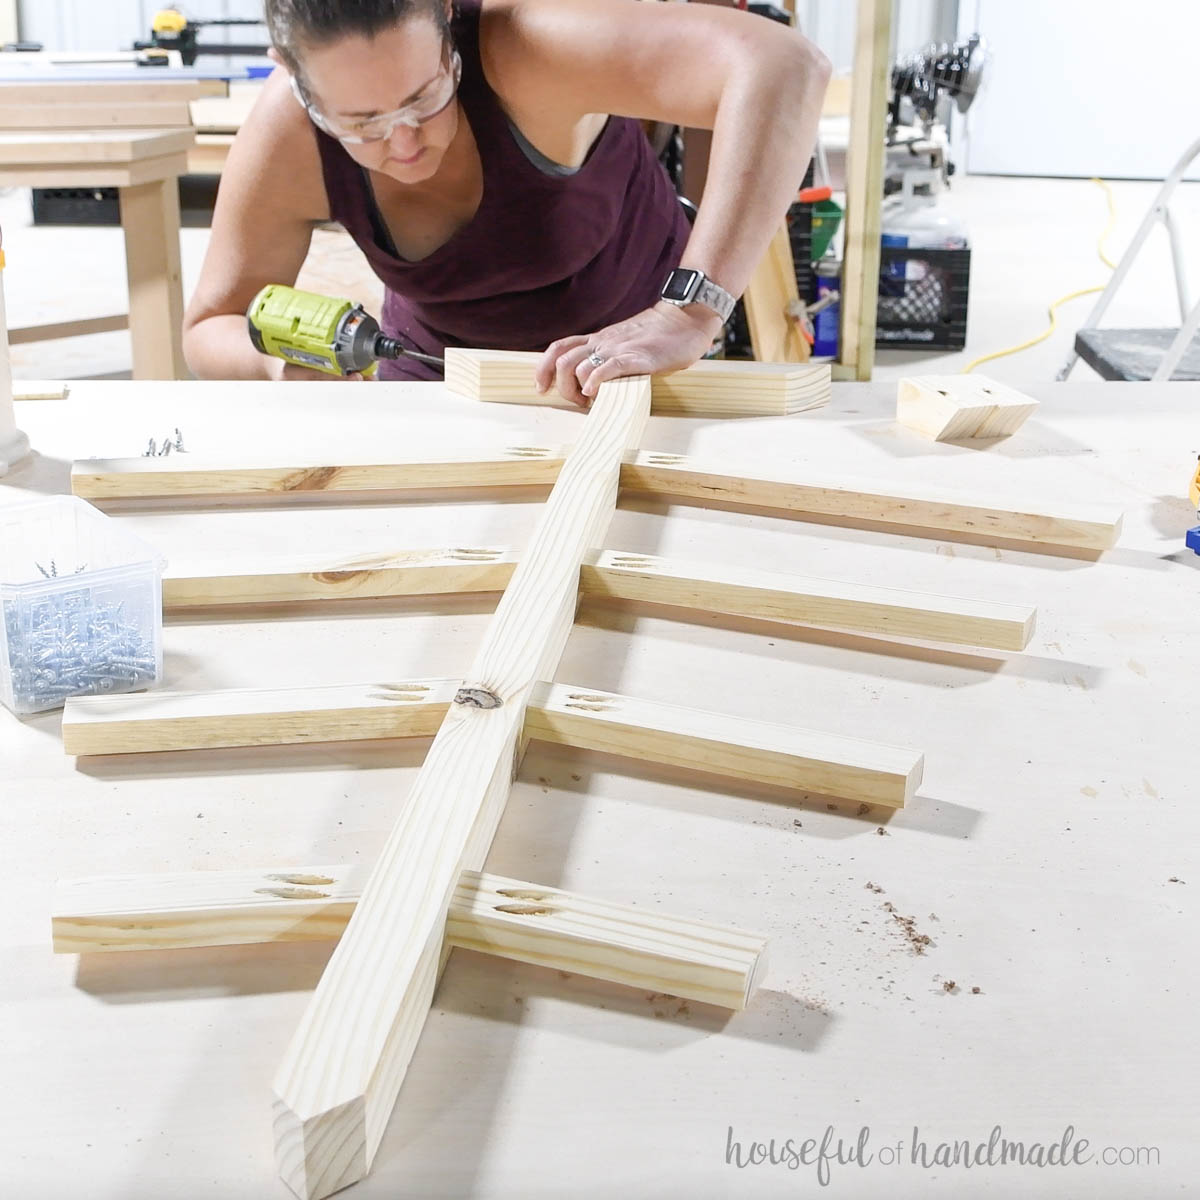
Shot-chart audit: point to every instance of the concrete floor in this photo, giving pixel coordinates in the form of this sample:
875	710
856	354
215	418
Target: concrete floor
1032	240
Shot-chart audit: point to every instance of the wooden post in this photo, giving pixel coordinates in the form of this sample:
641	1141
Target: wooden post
864	190
14	445
150	219
343	1070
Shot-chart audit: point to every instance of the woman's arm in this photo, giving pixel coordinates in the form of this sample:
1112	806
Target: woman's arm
272	194
755	83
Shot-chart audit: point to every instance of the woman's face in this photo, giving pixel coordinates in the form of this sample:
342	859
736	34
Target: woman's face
354	79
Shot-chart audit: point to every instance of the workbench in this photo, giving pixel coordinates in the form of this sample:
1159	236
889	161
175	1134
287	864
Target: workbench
144	166
1049	855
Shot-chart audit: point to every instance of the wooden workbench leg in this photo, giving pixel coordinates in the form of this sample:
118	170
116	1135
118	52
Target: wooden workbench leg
150	218
864	189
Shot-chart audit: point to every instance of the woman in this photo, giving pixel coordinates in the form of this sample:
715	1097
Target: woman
487	159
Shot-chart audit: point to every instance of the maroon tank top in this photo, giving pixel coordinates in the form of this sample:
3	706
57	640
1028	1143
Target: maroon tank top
546	255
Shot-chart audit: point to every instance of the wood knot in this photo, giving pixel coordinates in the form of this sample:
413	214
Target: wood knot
475	697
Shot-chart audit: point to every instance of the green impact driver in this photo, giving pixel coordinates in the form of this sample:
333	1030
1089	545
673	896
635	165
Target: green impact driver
337	337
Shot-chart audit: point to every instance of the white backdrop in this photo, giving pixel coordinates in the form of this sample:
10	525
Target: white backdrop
116	24
1084	87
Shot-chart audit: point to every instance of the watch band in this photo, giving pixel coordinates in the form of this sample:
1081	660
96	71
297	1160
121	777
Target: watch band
686	285
715	297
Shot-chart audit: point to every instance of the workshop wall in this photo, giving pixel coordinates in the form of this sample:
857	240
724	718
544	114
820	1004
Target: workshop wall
116	24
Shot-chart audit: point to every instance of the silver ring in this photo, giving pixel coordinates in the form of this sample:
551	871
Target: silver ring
597	360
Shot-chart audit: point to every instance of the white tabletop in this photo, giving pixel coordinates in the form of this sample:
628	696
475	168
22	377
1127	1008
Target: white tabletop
1058	810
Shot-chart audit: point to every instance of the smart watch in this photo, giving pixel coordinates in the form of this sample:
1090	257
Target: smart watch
686	286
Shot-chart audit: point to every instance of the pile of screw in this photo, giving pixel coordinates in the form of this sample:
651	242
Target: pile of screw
73	647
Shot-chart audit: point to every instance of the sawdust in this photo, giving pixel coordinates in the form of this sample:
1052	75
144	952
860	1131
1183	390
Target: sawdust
917	941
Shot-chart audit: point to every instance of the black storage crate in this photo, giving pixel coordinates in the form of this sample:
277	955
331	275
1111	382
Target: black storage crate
76	206
101	206
922	299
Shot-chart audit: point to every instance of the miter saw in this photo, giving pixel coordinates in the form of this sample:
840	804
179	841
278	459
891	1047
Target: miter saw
171	30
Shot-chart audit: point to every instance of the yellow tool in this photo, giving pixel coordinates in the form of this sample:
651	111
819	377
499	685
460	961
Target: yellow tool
337	337
169	20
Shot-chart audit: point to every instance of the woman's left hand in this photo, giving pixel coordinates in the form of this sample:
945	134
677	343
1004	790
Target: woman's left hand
660	339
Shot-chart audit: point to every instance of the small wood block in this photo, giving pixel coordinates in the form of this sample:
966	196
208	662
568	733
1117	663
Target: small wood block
950	408
36	389
709	388
619	943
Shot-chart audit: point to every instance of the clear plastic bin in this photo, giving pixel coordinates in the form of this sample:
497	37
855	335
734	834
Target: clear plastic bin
80	605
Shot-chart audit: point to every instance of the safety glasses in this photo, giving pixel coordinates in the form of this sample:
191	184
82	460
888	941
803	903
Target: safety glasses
434	99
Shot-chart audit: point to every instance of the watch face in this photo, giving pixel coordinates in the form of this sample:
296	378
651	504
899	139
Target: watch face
680	285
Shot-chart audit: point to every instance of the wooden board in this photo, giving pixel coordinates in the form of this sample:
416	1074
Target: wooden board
798	760
159	478
93	146
709	388
779	596
399	573
770	293
93	175
619	575
671	735
145	722
39	389
620	943
920	511
923	511
344	1067
224	114
954	407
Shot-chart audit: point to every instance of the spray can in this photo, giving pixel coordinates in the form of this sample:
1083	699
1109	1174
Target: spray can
828	272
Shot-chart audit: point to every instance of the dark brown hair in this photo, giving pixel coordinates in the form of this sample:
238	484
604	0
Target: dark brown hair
293	23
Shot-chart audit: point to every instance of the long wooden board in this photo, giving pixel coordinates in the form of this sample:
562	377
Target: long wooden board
671	735
620	575
918	510
709	388
549	927
399	573
344	1067
171	477
149	722
805	600
797	759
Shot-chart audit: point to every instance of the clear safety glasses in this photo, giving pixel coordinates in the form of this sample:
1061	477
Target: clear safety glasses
434	99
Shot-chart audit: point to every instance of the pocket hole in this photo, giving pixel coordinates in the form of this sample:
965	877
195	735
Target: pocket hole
302	879
292	893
